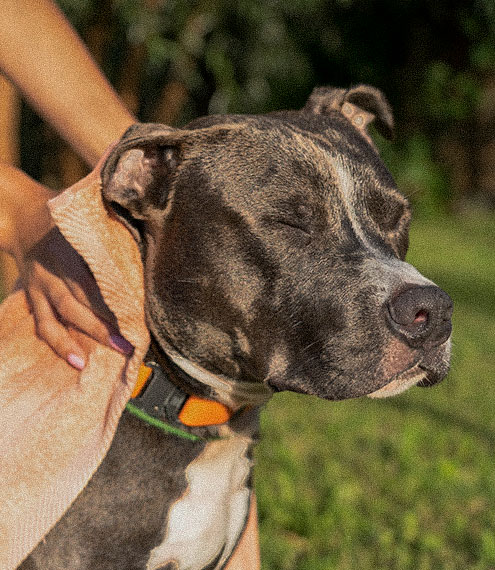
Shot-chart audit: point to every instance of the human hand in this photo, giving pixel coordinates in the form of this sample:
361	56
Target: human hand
63	295
60	289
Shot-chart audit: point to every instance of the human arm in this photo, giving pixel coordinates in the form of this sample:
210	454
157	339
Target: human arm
45	59
42	55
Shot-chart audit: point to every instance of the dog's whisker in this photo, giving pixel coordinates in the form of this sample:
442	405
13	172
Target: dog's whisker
310	345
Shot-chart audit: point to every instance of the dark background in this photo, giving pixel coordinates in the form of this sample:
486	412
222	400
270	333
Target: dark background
173	60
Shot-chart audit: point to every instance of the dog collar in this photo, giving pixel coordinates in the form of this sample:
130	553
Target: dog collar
153	385
159	402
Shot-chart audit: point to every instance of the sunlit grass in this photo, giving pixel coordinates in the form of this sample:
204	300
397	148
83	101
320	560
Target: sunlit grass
399	484
406	483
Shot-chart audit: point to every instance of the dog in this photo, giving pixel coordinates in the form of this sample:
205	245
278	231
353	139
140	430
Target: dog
273	249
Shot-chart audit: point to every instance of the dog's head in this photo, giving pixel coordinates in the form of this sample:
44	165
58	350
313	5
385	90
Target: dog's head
274	249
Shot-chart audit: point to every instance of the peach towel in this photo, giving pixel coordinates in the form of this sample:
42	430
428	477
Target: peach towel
56	424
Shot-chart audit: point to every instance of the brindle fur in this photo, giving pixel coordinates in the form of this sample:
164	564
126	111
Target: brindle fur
271	245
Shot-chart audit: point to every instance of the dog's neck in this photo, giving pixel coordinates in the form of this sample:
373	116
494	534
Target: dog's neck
190	376
234	394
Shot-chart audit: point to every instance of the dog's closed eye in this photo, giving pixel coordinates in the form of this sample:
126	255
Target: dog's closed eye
298	217
288	219
291	231
294	224
391	212
387	208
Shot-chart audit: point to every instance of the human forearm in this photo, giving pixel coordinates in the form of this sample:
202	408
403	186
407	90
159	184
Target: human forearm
24	216
43	56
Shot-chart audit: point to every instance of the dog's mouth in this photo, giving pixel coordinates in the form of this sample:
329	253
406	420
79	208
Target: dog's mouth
424	368
402	382
427	372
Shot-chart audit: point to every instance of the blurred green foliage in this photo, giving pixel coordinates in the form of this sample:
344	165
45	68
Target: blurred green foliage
434	60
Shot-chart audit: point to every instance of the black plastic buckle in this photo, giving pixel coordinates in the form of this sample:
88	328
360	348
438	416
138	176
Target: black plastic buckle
160	397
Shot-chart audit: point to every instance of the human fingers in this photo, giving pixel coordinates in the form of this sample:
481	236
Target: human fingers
72	312
53	332
55	308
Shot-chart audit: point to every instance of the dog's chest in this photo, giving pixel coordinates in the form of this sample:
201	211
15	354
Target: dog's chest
156	502
205	523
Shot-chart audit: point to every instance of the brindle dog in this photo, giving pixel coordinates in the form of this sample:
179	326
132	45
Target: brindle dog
273	249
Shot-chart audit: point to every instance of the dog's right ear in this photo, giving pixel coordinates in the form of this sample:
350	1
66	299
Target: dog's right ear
137	174
361	105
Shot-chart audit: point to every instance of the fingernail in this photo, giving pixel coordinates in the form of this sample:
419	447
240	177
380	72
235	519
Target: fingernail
76	361
121	344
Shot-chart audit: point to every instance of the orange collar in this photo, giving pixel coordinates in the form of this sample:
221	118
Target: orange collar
194	412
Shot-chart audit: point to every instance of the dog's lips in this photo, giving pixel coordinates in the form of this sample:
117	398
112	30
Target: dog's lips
425	368
401	382
427	372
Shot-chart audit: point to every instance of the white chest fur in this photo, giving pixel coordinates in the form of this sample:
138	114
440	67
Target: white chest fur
204	525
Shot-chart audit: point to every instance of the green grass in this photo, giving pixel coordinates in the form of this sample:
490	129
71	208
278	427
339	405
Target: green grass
404	483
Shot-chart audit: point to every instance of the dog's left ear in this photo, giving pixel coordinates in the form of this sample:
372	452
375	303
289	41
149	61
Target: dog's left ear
361	105
138	172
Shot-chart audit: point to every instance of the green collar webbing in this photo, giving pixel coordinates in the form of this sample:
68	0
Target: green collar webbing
155	422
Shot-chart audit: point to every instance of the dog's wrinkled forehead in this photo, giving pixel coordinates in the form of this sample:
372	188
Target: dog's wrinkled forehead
288	161
324	164
287	156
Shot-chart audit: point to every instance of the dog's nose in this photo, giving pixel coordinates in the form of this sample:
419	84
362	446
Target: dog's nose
421	315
